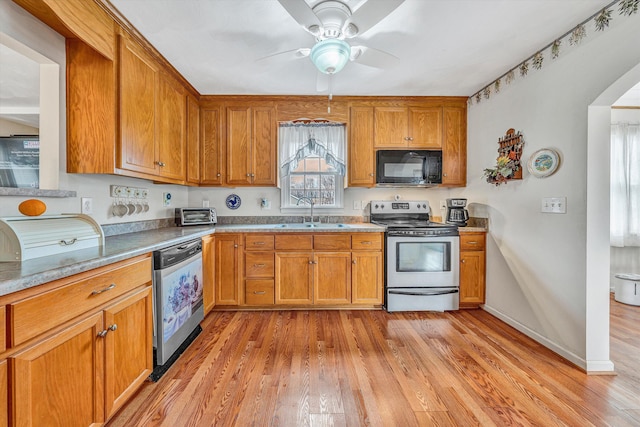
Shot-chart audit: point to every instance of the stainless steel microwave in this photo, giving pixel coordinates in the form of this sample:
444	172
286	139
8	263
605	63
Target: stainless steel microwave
195	216
408	168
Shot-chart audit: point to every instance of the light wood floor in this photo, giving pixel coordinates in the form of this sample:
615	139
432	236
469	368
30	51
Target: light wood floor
355	368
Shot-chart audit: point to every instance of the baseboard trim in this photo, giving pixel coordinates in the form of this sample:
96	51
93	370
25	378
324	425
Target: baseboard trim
590	367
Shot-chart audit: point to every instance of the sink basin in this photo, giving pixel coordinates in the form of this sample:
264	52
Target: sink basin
309	225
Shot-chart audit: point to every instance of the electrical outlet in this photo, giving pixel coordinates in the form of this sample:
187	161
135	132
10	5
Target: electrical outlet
166	199
86	206
205	203
556	205
443	204
357	205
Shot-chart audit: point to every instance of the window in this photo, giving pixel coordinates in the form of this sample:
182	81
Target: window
625	184
312	164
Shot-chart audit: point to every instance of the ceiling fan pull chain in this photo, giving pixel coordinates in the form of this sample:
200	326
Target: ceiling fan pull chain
330	93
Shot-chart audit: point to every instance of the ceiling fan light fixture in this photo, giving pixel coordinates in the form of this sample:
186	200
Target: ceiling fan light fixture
350	30
330	55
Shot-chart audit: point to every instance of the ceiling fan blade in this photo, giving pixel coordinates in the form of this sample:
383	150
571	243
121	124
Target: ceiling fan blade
372	57
302	52
369	14
301	12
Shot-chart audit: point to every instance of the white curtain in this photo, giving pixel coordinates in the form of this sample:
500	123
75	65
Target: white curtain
298	140
625	184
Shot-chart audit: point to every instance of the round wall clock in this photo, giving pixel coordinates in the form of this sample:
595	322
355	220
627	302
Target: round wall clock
233	201
543	163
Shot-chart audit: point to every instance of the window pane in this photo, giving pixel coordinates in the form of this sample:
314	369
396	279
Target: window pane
311	182
324	167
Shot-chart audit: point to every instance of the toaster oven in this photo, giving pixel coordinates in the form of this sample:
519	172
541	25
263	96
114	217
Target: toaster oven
195	216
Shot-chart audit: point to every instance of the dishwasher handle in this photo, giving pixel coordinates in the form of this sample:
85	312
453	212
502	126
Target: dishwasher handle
167	257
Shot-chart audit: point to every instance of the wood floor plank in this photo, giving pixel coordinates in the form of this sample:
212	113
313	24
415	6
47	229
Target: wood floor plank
373	368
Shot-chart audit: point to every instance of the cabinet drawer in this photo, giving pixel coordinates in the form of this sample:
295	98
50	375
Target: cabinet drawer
35	315
294	242
366	241
331	242
259	292
258	264
258	243
472	242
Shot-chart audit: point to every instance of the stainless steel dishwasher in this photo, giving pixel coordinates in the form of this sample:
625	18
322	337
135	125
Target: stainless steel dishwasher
178	303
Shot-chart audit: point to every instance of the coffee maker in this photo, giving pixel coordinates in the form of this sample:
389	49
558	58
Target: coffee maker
456	212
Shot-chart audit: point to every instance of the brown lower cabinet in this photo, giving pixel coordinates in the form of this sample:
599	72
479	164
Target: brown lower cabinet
472	269
208	272
286	269
80	370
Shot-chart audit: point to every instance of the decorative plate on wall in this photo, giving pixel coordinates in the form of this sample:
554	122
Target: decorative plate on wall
543	163
233	201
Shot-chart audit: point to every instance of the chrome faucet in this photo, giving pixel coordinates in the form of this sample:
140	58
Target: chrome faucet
311	202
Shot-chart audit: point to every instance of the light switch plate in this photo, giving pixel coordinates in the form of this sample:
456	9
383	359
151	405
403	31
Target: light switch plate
356	205
556	205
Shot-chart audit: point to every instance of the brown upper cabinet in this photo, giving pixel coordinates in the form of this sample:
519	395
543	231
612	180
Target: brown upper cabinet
408	127
193	141
361	160
152	116
251	140
211	146
454	147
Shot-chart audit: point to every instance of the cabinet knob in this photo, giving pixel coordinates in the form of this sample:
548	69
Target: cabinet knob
462	261
218	174
235	246
248	174
103	333
253	175
406	138
410	138
444	174
113	327
353	261
161	164
371	174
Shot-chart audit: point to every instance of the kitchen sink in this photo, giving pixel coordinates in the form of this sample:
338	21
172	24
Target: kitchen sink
306	225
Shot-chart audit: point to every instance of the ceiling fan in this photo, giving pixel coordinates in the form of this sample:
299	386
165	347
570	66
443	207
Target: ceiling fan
332	22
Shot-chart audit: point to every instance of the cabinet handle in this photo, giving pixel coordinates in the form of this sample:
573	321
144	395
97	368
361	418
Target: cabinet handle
365	242
258	243
258	265
259	292
472	243
103	333
113	327
68	242
108	288
161	164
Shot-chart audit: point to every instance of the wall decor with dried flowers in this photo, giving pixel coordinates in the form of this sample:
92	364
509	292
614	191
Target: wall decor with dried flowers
508	164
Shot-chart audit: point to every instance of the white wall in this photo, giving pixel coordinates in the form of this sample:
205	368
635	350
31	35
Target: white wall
537	263
22	26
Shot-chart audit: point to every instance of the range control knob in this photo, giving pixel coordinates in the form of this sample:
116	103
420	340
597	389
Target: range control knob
382	206
376	206
424	205
418	205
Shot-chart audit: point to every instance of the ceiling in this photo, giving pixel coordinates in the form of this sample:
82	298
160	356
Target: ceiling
444	47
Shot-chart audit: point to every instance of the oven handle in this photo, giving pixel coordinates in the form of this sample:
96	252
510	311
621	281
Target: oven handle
452	291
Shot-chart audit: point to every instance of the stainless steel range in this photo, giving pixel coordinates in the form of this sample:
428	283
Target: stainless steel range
422	257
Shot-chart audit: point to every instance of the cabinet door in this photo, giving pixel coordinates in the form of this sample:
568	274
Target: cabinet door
60	380
208	272
171	122
228	269
263	146
366	277
332	278
238	145
472	281
454	147
390	127
138	74
361	153
128	348
425	127
293	278
193	141
4	395
211	154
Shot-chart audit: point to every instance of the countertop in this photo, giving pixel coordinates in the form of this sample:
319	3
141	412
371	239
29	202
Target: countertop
463	230
16	276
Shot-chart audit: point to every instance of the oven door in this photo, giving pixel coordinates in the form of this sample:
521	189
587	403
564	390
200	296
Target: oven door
423	262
